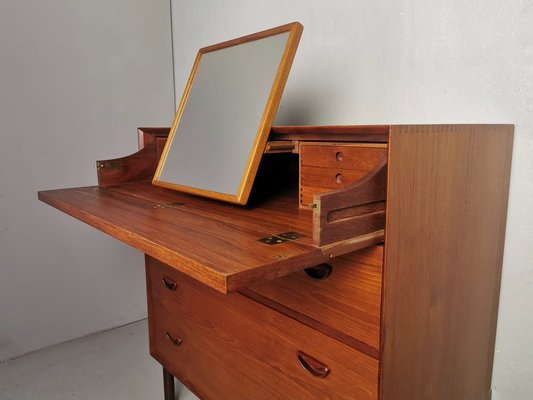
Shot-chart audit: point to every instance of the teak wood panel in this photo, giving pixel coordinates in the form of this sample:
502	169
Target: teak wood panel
330	166
353	156
346	303
137	167
221	254
352	211
272	215
317	180
446	213
332	133
234	348
342	133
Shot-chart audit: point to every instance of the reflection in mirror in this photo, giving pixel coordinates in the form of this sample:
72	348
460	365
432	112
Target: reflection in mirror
224	118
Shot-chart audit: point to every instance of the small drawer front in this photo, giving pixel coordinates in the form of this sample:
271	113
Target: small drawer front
316	180
229	347
348	300
325	167
358	156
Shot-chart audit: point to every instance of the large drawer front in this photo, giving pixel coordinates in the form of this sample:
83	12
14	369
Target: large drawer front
348	300
229	347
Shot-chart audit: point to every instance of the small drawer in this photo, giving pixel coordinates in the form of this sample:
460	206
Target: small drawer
315	180
358	156
229	347
348	300
325	167
329	178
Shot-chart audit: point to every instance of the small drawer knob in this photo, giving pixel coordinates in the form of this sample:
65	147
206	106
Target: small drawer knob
320	271
339	178
339	156
312	365
169	283
174	340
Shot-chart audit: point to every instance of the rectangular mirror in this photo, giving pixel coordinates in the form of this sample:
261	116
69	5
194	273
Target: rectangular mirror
224	118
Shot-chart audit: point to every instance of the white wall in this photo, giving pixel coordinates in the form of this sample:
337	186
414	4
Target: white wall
408	61
76	80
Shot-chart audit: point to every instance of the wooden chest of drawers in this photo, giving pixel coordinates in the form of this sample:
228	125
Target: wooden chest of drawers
366	266
228	346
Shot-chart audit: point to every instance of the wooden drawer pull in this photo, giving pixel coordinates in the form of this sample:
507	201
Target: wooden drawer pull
175	341
320	271
169	283
313	366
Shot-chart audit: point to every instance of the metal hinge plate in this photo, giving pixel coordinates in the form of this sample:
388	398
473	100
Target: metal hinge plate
281	238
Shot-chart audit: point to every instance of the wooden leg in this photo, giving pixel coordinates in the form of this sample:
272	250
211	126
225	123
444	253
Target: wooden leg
168	384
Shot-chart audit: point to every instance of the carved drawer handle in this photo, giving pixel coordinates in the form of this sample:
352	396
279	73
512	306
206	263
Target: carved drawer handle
169	283
313	366
175	341
320	271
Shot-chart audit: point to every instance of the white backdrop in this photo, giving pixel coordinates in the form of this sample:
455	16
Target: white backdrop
76	80
407	61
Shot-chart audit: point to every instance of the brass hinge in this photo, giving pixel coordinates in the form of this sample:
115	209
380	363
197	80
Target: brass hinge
108	164
168	205
315	207
281	238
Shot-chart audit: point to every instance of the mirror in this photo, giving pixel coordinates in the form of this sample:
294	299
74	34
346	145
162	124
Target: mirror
225	115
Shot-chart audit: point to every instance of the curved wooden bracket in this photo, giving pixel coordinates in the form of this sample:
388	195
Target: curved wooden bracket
356	210
137	167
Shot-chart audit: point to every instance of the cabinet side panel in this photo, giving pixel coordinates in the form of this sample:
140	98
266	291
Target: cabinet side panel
447	205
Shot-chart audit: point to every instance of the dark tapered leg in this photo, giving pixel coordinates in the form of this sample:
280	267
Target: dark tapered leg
168	382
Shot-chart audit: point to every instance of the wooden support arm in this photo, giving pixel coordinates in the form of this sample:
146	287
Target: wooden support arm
356	210
137	167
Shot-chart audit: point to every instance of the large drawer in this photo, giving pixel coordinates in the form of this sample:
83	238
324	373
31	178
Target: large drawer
347	301
229	347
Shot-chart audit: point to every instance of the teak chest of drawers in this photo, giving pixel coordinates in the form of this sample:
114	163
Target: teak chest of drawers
366	266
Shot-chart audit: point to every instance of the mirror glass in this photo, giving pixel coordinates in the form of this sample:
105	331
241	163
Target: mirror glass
225	115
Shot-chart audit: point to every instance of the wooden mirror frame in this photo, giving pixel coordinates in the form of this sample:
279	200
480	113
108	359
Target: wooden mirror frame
241	197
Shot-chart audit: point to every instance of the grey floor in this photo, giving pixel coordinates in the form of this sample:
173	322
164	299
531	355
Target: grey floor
112	365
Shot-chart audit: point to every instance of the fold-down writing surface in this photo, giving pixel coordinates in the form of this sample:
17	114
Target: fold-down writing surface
211	249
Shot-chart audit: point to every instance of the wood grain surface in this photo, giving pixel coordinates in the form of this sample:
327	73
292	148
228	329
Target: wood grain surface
137	167
447	205
148	135
234	348
332	133
208	246
215	242
351	211
348	302
330	166
446	190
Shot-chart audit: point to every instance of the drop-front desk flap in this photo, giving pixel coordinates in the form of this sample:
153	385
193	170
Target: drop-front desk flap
229	247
